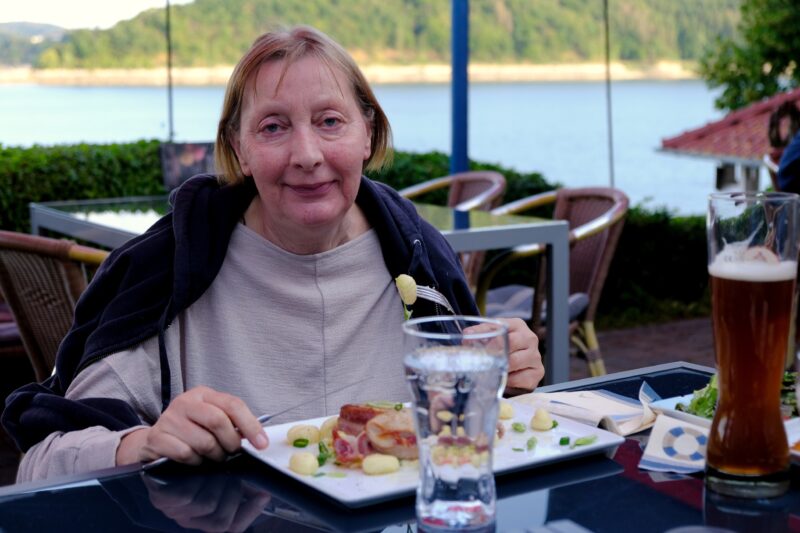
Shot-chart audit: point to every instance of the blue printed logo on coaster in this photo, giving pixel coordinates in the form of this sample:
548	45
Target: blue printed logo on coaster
686	444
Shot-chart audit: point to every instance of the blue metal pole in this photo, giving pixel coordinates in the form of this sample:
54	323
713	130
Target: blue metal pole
459	158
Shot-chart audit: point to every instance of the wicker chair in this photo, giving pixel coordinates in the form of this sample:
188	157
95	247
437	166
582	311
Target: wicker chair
10	340
41	280
596	217
479	189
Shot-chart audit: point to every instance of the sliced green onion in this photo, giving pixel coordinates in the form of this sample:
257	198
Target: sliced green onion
563	441
531	444
324	454
398	407
519	427
583	441
555	424
336	474
300	443
517	450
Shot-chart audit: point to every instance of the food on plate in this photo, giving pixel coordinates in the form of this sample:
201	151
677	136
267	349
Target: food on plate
445	415
378	464
541	420
302	433
704	400
326	429
506	411
363	429
796	446
789	392
303	463
457	452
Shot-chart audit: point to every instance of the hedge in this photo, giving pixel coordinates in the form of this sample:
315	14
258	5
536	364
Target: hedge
658	272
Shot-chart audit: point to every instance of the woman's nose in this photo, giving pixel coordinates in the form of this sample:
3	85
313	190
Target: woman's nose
306	152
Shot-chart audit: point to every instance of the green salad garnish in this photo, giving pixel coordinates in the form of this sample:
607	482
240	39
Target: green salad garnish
704	400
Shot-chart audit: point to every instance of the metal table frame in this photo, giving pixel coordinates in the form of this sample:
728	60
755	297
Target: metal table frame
553	233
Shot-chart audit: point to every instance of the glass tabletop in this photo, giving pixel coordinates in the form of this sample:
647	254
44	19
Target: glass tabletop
596	493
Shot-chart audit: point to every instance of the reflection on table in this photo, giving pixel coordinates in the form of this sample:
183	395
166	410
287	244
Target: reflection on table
112	222
595	493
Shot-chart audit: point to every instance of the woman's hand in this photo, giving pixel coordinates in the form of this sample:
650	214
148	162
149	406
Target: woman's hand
525	368
200	423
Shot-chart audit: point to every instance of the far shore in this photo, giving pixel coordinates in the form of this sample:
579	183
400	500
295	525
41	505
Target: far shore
378	74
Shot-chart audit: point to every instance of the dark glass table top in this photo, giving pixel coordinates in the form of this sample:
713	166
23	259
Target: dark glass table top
596	493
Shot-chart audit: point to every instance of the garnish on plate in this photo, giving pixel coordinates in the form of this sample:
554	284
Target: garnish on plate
704	400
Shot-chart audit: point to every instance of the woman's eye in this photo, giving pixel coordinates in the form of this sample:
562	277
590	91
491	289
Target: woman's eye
331	122
271	128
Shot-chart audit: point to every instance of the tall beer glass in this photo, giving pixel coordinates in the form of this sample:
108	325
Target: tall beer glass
752	264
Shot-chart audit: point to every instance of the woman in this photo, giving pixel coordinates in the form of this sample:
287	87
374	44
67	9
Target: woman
263	283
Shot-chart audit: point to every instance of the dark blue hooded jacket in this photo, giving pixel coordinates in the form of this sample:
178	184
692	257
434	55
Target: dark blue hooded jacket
144	284
789	166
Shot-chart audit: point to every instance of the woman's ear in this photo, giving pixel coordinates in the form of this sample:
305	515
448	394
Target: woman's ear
242	160
368	144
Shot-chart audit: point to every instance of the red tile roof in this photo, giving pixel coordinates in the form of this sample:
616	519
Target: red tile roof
740	137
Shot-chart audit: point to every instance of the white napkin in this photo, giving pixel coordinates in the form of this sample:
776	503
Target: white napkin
675	446
618	414
680	446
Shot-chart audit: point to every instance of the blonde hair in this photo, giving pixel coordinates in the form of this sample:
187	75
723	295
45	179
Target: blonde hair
290	46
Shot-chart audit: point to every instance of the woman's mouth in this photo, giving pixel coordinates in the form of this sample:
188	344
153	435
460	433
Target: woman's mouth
312	189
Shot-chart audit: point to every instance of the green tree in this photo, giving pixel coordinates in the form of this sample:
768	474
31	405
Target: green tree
762	60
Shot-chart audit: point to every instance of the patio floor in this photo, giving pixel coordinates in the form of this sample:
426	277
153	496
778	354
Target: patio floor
624	349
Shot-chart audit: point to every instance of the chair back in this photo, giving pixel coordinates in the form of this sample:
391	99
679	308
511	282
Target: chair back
595	216
478	189
41	280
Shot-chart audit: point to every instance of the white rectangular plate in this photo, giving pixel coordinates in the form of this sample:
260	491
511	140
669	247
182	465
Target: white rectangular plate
668	407
356	489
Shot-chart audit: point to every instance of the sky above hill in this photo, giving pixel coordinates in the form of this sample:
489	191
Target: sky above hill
74	14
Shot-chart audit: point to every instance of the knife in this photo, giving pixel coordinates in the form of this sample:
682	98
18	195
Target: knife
263	419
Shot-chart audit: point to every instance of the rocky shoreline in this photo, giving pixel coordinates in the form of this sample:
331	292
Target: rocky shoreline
430	73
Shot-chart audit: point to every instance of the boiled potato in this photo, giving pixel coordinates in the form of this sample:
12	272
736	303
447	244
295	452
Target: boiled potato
378	463
303	463
506	411
541	420
326	429
444	415
303	431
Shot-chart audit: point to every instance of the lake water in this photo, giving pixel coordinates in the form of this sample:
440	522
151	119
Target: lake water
558	129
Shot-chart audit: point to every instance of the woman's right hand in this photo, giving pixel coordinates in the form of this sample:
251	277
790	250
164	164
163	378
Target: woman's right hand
200	423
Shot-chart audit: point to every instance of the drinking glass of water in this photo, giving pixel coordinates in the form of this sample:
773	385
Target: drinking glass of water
456	369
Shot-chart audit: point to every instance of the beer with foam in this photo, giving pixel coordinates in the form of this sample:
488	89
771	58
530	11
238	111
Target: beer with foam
752	314
752	250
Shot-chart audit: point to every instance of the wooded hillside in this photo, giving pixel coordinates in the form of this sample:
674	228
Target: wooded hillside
216	32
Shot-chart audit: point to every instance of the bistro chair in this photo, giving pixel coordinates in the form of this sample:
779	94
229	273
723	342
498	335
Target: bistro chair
41	279
10	340
478	189
596	216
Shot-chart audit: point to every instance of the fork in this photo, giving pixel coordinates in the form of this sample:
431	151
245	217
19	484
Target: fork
432	295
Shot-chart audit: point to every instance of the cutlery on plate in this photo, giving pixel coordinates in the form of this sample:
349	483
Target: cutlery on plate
263	419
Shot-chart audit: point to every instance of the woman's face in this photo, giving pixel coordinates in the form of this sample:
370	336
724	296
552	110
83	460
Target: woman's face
304	142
